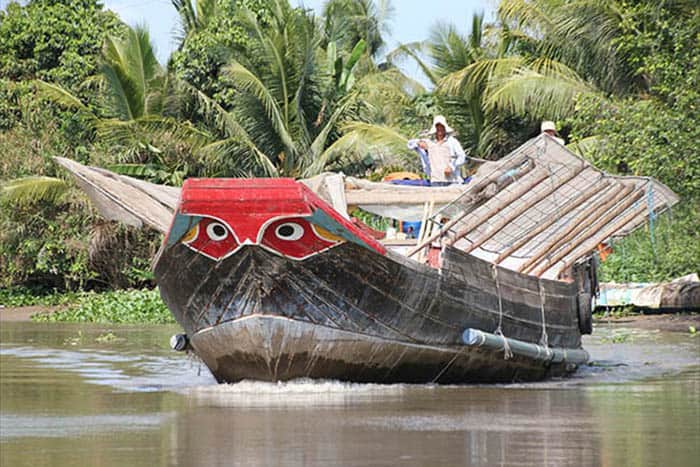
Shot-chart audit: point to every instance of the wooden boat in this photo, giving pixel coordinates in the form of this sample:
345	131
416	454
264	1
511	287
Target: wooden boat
272	282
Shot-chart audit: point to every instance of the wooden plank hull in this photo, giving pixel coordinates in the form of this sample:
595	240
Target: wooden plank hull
351	314
273	348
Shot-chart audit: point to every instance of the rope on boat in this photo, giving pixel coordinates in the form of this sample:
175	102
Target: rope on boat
544	339
652	217
507	353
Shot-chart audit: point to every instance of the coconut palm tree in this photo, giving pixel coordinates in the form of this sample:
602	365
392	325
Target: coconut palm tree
583	35
347	22
137	108
292	97
443	57
194	15
484	80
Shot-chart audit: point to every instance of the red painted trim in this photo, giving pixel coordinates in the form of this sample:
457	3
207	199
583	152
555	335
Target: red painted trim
247	204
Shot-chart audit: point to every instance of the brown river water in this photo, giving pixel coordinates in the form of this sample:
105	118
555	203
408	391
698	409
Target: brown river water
90	395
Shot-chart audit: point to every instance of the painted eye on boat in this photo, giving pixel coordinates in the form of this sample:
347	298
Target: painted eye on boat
289	231
216	231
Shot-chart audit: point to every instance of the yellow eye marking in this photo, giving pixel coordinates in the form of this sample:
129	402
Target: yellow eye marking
326	235
191	235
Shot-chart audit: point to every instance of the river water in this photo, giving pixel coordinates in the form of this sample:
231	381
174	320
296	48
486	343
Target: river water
74	395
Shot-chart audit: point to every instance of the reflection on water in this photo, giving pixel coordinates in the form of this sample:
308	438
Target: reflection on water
68	396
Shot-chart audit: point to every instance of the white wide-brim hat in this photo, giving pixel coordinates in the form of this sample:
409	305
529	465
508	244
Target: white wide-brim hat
547	125
439	119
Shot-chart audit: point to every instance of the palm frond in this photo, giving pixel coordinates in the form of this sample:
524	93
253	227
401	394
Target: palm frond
412	50
248	81
449	50
474	78
358	138
132	73
540	95
123	94
30	190
224	122
532	15
63	97
321	140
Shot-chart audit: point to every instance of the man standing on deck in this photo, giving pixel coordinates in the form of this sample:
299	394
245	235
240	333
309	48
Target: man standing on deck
550	129
442	156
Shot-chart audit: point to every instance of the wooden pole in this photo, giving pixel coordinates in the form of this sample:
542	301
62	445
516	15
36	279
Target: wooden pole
590	231
476	196
593	241
617	191
427	213
505	220
564	210
401	197
537	176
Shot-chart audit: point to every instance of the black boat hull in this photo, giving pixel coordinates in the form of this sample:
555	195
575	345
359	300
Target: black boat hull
271	348
353	315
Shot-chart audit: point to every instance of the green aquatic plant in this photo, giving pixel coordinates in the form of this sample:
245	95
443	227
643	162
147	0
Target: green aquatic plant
21	296
120	307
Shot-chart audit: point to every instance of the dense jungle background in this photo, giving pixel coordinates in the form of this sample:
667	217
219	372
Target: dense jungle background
262	88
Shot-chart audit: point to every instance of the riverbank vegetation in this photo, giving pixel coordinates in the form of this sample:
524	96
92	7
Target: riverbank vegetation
118	306
263	88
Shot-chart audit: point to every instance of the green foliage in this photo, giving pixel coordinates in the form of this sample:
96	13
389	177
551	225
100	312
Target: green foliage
655	134
372	220
40	243
643	137
660	42
30	190
347	22
22	296
10	94
119	307
208	46
53	40
259	87
615	312
134	78
674	251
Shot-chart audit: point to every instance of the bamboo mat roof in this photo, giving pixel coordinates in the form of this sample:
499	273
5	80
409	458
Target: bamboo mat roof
554	211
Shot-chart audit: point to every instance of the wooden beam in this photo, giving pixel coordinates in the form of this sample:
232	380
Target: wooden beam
589	245
505	220
536	177
590	231
564	210
388	196
618	192
477	195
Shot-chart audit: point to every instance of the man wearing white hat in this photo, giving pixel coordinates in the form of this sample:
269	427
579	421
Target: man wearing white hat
550	129
442	156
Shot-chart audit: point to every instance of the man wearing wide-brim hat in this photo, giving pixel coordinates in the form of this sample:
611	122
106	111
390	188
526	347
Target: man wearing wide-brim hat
550	129
442	155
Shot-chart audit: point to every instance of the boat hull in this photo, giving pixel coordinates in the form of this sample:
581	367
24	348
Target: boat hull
273	348
354	315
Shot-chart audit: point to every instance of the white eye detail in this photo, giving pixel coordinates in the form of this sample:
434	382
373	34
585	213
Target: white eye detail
217	231
289	231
